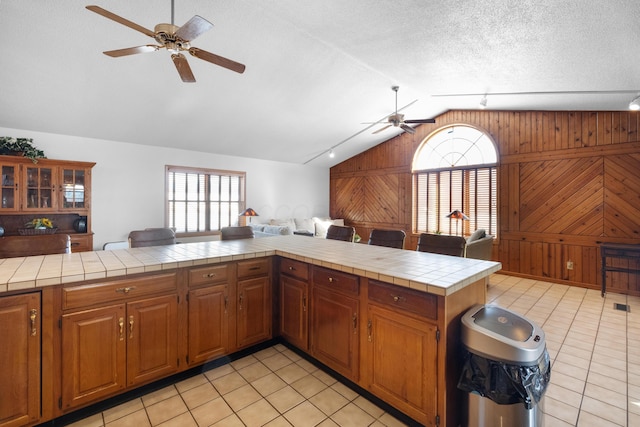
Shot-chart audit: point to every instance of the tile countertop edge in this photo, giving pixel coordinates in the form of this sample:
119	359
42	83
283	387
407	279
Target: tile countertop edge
437	274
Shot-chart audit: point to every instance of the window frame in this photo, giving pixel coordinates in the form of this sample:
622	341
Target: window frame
170	199
462	197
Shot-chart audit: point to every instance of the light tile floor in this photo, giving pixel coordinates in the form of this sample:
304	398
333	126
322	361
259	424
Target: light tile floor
595	374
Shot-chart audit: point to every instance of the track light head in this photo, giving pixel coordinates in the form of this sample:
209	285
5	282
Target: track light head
483	102
635	104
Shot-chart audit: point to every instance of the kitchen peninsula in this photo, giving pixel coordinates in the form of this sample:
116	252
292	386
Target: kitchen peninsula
396	313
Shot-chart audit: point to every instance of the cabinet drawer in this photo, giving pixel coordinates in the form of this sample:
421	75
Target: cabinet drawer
254	267
419	303
297	269
81	242
336	280
117	290
209	275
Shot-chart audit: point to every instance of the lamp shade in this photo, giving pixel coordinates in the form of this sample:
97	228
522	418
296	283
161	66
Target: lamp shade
249	212
456	214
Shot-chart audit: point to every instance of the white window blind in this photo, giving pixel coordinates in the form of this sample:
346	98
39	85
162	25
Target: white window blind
203	200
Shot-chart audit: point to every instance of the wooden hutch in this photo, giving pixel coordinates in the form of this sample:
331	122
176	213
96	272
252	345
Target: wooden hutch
59	190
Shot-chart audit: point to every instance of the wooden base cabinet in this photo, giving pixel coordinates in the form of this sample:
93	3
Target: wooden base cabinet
208	313
253	305
334	321
20	359
402	363
294	303
132	341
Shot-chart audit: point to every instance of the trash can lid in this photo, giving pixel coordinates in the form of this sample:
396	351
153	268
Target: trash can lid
499	334
503	322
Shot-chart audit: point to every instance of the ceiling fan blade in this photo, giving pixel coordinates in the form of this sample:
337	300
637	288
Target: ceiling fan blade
183	68
193	28
120	20
131	50
218	60
408	129
421	121
381	129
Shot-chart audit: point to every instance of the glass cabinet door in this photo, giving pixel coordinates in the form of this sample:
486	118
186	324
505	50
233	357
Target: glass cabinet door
73	189
9	185
39	186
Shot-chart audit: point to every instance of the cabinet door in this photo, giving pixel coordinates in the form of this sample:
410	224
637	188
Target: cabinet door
39	190
20	359
334	336
73	189
401	362
208	323
294	318
93	354
9	187
152	338
254	311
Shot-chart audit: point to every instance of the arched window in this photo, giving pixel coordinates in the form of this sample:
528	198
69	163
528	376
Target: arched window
455	168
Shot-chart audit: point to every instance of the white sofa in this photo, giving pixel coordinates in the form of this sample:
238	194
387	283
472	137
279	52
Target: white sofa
312	226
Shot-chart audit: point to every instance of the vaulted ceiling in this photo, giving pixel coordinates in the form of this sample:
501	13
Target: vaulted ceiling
316	71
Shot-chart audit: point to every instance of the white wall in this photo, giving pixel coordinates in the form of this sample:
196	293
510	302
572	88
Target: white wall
128	181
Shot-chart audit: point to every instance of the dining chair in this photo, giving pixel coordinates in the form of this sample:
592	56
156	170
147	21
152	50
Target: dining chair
236	233
152	237
387	238
341	232
441	244
19	246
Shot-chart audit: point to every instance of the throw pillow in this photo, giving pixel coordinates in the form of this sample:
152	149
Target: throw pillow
477	235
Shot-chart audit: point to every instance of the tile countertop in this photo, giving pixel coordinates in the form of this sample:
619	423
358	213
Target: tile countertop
437	274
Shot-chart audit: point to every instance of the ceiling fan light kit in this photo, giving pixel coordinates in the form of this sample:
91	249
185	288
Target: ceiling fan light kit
174	39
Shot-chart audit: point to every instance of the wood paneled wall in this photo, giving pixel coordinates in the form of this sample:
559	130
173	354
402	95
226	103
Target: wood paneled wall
567	182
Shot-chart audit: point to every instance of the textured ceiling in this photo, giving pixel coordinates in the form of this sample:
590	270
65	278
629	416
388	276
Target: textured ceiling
315	71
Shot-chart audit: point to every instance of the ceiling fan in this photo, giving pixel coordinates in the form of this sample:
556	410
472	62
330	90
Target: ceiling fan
398	120
173	38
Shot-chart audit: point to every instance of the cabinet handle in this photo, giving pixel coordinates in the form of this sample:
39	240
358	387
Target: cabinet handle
130	327
304	303
369	330
121	325
292	268
226	302
241	297
331	280
125	290
210	275
398	298
355	323
257	267
33	314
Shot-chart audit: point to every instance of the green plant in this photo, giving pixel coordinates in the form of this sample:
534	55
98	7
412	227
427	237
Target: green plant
12	146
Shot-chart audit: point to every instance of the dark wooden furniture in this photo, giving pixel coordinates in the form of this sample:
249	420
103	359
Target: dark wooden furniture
152	237
341	232
59	190
618	251
387	238
235	233
441	244
43	244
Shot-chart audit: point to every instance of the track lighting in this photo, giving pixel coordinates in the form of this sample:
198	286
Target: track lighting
331	154
483	102
635	104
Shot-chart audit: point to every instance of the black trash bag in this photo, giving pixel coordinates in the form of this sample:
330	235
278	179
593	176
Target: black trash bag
503	383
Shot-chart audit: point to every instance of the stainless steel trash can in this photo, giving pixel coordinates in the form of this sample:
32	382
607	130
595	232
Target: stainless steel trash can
506	369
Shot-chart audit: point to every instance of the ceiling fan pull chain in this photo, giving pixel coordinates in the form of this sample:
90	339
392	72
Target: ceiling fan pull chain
172	13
